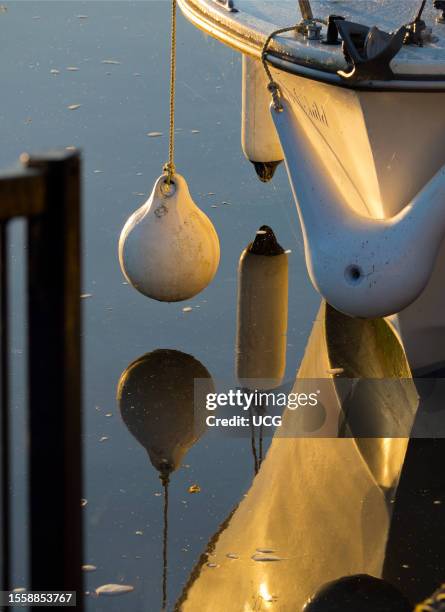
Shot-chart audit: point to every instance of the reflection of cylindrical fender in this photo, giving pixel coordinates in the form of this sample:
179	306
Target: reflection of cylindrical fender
156	399
259	139
262	311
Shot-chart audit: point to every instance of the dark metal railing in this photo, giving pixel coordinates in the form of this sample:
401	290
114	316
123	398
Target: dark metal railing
45	190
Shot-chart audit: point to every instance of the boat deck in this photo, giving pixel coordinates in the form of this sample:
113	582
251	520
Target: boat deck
247	28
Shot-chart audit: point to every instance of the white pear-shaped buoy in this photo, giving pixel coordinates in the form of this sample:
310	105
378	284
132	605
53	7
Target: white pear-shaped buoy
169	249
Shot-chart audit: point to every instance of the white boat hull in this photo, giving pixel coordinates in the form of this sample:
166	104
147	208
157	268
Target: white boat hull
390	144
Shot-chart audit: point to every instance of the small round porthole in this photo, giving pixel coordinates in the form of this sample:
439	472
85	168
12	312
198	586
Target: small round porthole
353	274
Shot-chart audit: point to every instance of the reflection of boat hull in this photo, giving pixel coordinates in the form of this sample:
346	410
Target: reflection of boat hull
319	504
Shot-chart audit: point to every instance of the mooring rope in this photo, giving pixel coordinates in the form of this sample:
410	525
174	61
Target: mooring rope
273	86
169	167
165	479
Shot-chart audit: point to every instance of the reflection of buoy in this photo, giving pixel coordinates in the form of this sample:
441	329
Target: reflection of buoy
259	139
156	396
156	401
169	249
358	593
262	312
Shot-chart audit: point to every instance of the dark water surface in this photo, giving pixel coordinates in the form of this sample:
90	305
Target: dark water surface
119	104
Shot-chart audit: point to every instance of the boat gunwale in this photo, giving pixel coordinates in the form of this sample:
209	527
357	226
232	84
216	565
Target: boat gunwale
282	61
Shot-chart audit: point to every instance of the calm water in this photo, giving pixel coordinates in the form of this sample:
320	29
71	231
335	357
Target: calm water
119	104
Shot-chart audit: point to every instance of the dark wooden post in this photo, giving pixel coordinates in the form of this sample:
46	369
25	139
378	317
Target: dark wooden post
55	377
4	411
21	195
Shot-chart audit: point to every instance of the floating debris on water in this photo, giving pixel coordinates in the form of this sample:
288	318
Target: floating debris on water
71	148
195	488
154	134
266	558
187	309
114	589
111	62
226	203
335	371
72	68
194	131
54	71
83	502
157	494
109	414
232	556
214	206
84	296
82	16
89	568
212	565
139	532
103	439
97	171
265	551
137	74
74	106
288	251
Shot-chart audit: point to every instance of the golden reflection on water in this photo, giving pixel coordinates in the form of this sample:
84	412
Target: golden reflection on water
265	593
318	509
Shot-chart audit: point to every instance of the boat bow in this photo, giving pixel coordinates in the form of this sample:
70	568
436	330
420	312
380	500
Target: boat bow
363	266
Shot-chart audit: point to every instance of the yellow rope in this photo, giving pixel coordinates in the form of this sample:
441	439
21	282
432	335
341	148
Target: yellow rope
169	167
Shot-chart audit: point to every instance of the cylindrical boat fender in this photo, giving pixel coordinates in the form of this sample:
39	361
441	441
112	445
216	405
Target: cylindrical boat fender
259	139
262	312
